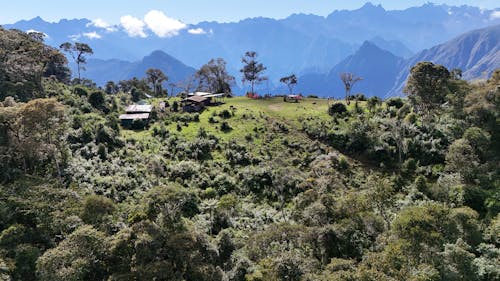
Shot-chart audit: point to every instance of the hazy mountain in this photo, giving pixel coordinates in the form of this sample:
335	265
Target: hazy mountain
476	53
393	46
101	71
298	44
376	66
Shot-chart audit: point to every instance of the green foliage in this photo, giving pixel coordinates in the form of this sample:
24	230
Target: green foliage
96	99
78	257
427	86
96	209
461	158
376	192
337	109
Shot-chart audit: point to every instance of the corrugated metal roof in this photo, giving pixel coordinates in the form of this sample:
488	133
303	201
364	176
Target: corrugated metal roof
214	95
139	108
197	99
134	116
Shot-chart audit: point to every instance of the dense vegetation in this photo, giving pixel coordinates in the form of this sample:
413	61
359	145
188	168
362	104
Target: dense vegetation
401	189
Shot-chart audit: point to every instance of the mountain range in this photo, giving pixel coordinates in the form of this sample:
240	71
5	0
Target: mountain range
375	43
101	71
476	53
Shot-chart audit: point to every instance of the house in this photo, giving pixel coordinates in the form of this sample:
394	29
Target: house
213	98
136	113
195	103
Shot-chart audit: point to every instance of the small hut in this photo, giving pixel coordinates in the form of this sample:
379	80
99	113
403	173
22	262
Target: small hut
136	113
195	103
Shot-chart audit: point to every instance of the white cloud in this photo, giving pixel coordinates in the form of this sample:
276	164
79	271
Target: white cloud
92	35
100	23
133	26
75	37
45	35
197	31
162	25
495	15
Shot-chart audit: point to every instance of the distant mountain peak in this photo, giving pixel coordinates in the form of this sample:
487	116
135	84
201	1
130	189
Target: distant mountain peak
369	6
370	49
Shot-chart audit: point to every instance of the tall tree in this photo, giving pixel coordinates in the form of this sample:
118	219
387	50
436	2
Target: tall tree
78	51
349	79
24	61
42	125
156	77
427	87
252	70
214	77
290	82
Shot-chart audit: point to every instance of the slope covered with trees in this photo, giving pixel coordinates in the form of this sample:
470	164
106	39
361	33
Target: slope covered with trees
254	189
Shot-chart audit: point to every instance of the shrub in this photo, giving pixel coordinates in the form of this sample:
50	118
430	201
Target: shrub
225	127
212	120
96	99
225	114
337	109
80	91
175	106
396	102
95	208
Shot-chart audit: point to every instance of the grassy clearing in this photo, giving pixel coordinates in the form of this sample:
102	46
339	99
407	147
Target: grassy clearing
252	122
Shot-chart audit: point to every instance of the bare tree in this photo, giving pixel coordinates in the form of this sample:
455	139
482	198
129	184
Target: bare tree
349	79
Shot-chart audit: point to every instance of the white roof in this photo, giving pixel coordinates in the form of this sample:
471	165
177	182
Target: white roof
214	95
134	116
139	108
202	94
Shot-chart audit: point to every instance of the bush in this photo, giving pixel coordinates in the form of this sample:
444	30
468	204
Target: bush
396	102
96	208
337	109
80	91
96	99
225	114
225	127
212	120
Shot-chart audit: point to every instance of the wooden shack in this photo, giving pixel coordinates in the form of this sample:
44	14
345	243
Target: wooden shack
195	103
140	113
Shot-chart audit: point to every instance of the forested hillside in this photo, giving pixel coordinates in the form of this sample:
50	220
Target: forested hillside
252	189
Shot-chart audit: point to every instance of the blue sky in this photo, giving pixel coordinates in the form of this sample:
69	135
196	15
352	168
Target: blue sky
194	11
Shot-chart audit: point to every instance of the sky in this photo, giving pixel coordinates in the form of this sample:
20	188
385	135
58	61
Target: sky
194	11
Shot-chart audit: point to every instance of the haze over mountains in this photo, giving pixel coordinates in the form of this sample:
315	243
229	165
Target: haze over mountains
377	44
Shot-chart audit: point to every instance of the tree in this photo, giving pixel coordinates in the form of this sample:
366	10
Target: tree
78	257
461	158
427	87
156	77
97	99
252	69
78	52
382	196
24	61
214	77
349	79
373	102
41	124
111	88
289	81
